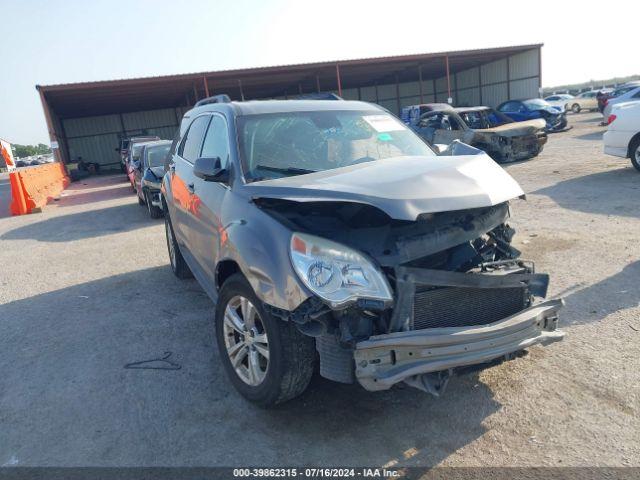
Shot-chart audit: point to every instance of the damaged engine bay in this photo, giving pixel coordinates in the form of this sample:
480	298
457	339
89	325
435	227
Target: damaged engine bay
453	269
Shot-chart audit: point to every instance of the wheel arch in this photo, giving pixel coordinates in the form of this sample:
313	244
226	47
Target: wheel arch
633	140
225	269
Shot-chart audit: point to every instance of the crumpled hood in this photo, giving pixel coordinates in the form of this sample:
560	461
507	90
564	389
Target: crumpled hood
402	187
552	110
516	128
157	171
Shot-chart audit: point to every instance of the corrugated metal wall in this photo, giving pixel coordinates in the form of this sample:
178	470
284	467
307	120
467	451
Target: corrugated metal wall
490	84
95	138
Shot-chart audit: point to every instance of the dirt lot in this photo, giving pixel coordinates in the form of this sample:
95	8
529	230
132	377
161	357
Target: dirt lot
86	288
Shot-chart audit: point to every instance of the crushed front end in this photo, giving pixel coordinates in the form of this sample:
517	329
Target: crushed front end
451	319
512	142
460	295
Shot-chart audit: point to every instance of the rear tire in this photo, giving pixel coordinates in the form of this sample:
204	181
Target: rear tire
286	371
575	108
634	153
178	265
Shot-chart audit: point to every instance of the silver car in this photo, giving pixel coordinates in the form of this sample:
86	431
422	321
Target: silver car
327	230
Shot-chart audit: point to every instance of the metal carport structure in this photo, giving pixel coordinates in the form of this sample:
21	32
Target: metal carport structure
87	119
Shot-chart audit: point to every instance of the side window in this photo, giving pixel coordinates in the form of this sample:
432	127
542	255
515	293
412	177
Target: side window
216	141
449	122
636	95
190	147
473	119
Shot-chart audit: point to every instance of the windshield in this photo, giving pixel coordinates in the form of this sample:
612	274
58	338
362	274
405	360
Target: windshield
294	143
486	118
156	155
535	103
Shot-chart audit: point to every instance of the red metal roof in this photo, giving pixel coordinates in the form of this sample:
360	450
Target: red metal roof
127	95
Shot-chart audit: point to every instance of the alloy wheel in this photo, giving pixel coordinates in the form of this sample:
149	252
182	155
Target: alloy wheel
246	340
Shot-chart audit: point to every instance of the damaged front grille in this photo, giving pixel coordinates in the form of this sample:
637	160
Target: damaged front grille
435	307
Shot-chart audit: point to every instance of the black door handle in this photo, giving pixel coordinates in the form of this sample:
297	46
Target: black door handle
191	187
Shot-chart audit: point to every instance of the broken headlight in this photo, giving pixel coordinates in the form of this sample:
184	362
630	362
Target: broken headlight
336	273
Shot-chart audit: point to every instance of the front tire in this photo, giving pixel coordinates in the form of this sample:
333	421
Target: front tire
268	360
575	108
154	212
634	153
178	265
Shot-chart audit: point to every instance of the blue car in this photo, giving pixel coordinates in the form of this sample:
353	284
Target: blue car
521	110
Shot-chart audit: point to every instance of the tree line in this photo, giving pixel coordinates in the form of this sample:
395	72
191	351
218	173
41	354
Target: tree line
21	151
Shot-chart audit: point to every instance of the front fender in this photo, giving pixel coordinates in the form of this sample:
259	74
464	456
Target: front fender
260	246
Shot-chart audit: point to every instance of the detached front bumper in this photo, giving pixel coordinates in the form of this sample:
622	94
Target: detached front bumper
384	360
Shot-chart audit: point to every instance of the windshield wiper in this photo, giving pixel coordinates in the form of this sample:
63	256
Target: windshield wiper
290	170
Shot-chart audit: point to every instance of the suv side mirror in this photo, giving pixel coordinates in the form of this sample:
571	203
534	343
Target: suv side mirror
210	169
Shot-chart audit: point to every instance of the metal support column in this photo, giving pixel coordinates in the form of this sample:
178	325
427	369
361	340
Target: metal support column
241	91
420	83
446	60
53	137
206	87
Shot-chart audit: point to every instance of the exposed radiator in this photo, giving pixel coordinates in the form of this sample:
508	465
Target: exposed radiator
457	307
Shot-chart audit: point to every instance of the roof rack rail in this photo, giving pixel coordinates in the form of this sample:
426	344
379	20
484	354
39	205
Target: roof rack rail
222	98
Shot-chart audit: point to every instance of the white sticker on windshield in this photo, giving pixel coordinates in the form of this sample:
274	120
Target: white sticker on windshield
383	123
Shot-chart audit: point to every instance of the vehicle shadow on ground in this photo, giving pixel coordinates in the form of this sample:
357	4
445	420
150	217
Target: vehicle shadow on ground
597	120
595	302
64	380
584	194
590	136
80	197
87	224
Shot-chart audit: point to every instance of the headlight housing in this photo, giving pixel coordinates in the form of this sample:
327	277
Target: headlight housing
336	273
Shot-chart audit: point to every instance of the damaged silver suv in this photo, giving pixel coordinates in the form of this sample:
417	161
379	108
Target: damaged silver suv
327	230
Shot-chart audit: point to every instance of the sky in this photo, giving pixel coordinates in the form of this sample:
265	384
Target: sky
62	41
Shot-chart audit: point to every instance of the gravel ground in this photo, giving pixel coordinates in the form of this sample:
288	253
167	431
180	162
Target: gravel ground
86	289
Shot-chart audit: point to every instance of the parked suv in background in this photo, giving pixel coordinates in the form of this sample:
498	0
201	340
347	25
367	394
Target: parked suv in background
125	143
148	173
330	226
133	158
622	137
